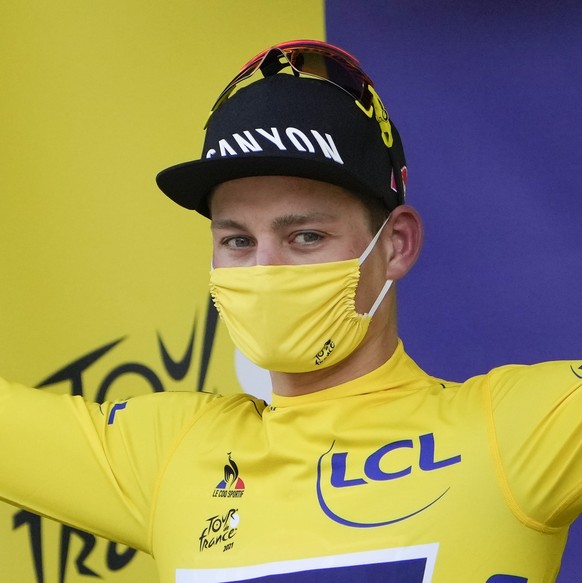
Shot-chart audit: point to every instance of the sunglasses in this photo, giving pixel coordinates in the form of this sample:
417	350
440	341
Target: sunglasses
316	60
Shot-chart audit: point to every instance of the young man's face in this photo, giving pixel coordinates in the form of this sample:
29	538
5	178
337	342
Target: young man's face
280	220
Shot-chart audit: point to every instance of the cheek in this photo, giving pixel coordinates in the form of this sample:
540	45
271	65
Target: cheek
372	279
216	255
220	256
364	296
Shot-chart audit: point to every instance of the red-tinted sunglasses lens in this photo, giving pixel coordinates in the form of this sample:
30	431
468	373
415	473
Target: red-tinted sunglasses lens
315	59
334	68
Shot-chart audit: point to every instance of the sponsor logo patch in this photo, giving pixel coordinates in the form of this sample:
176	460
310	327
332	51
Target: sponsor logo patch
219	531
413	457
232	486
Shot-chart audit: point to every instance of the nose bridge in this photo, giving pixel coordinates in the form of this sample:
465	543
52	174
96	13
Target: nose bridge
269	250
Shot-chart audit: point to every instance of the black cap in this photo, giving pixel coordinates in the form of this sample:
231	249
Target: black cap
290	126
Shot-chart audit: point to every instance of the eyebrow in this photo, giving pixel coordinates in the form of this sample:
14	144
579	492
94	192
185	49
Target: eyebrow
301	219
289	220
226	224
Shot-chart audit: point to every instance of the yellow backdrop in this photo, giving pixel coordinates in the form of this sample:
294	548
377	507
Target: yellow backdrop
103	280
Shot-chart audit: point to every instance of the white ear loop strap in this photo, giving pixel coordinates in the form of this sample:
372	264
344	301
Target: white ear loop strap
363	258
380	297
372	243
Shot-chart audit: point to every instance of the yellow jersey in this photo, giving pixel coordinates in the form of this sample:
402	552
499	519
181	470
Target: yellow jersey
395	476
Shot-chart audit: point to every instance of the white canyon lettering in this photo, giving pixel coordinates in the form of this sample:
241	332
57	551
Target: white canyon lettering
254	140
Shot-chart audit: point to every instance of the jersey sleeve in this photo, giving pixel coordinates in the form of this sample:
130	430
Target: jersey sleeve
94	467
536	416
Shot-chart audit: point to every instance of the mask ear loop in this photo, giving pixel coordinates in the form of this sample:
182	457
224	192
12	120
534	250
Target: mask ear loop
386	288
372	243
380	297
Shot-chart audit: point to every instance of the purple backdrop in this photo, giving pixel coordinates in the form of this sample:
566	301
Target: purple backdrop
487	97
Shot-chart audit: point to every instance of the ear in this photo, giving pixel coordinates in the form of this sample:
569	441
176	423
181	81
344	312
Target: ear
402	237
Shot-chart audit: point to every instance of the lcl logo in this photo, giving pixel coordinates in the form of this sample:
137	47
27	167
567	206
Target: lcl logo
373	471
422	453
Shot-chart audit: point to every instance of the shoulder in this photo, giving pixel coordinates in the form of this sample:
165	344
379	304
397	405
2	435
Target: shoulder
195	400
179	407
545	382
510	391
535	431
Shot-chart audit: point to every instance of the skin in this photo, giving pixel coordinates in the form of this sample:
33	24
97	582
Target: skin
282	220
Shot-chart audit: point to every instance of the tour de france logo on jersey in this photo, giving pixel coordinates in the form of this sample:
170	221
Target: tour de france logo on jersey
219	531
232	486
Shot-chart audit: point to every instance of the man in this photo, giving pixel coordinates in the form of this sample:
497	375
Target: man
363	467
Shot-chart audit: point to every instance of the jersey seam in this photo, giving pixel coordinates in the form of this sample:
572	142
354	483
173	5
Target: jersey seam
567	501
164	466
503	482
576	491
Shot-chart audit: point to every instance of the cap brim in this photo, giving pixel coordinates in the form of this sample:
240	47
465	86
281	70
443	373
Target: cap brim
191	183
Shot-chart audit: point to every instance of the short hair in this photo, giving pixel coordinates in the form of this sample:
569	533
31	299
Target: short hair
377	212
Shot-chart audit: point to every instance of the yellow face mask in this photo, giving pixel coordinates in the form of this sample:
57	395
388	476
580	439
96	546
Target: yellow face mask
294	318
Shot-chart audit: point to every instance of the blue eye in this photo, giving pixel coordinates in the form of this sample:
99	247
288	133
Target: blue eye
237	242
308	237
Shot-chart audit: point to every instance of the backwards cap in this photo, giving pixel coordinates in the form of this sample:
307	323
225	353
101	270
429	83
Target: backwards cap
285	125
